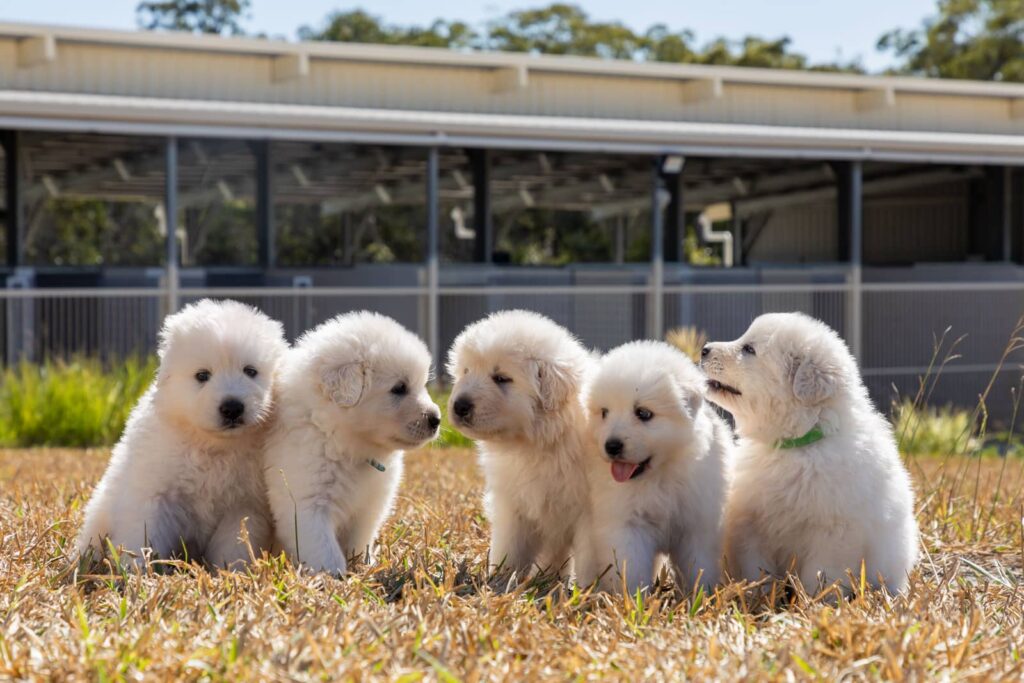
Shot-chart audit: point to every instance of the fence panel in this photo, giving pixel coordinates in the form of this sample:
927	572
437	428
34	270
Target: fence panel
900	321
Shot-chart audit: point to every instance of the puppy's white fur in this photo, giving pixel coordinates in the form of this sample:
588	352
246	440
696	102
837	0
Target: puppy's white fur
353	397
646	403
181	479
523	374
826	507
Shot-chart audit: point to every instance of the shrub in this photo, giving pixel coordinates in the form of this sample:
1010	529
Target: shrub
76	403
689	340
929	430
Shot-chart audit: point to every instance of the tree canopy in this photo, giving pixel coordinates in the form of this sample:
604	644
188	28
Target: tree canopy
195	16
565	29
976	39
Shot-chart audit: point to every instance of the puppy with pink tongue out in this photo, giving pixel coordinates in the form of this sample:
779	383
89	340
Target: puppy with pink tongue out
658	480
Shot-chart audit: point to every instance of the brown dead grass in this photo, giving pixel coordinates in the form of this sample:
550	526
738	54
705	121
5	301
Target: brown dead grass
425	612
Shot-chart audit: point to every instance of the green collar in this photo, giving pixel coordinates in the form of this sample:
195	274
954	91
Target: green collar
806	440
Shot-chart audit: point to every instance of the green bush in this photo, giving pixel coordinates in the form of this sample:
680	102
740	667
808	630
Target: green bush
76	403
930	431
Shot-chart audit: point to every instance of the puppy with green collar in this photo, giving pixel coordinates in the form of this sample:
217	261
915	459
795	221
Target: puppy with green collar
818	486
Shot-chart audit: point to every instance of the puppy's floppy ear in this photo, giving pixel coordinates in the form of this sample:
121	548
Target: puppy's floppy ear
555	383
814	380
344	384
692	399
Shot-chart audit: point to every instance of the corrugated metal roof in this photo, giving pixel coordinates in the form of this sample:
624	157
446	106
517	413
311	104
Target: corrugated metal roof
169	83
425	56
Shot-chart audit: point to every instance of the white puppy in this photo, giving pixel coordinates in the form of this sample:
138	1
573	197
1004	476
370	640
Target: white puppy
187	470
659	483
518	377
818	482
353	397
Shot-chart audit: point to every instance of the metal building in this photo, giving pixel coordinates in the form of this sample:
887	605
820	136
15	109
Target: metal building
435	185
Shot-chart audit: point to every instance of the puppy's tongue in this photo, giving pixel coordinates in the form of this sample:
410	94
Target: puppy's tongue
622	471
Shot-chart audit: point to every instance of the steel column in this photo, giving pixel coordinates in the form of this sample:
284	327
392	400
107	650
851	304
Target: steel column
433	243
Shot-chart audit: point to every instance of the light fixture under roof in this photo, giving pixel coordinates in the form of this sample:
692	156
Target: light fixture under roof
672	163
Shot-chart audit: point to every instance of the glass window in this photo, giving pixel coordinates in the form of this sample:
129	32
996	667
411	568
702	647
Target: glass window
554	208
217	202
337	204
92	200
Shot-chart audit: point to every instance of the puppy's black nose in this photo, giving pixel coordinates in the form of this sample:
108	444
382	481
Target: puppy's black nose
232	409
705	351
462	406
433	420
613	447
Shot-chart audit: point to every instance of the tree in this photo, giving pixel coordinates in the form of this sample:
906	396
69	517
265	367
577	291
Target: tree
564	29
359	26
194	16
976	39
561	29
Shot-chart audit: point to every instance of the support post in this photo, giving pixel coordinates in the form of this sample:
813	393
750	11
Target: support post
851	247
656	301
12	198
265	206
675	218
433	258
171	220
1007	214
483	247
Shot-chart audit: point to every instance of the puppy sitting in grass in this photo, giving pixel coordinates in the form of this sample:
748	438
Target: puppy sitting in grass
353	398
517	379
658	476
187	472
818	484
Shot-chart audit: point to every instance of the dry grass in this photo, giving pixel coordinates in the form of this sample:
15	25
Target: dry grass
424	612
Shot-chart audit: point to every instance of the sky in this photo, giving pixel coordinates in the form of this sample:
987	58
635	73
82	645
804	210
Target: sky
825	30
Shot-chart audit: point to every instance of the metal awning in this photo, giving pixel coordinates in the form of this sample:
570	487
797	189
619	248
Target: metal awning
164	116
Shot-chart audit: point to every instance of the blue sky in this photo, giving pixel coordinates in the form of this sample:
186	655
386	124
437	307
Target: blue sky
822	29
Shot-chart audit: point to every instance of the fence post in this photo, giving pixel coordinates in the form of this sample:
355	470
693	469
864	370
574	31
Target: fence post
171	220
656	303
433	298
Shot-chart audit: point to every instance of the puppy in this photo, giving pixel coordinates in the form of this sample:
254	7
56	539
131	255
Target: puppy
658	474
818	483
353	398
517	378
187	471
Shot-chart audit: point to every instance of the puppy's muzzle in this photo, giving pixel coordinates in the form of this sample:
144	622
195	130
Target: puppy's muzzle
463	408
614	448
232	413
426	426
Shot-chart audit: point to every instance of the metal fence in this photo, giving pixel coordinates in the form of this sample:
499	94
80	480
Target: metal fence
893	326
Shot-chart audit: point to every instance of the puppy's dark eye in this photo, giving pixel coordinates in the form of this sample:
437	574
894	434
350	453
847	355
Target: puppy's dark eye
604	413
501	379
749	350
203	376
250	371
643	414
400	389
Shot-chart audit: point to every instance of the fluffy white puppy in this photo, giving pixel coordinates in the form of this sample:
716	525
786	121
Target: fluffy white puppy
187	470
518	377
818	483
353	398
658	478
